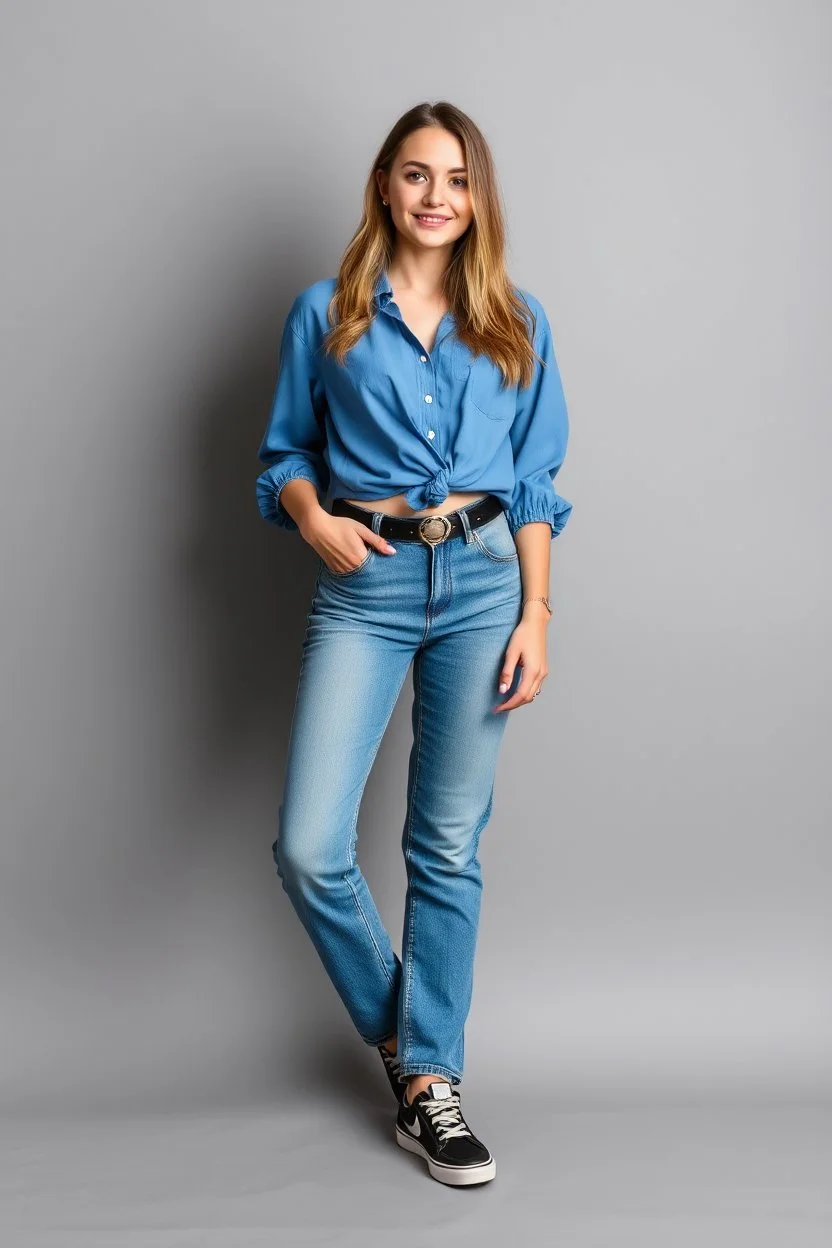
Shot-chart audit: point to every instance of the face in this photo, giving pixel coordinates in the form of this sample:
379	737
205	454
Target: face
428	179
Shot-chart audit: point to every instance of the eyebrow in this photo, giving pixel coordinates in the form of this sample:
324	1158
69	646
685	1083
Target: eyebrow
422	165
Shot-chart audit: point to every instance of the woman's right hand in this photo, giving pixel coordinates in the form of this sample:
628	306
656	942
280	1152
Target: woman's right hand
341	541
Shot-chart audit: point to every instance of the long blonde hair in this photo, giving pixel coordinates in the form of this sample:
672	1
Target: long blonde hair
490	317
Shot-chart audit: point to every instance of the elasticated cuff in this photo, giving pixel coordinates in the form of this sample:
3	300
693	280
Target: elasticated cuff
548	508
269	485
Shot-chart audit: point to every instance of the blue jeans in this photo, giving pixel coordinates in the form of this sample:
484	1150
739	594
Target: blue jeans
450	609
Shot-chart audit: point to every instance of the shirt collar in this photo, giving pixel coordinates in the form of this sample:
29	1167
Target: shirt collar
383	290
383	293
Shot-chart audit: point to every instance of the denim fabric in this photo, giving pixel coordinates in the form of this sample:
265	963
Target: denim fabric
450	609
398	419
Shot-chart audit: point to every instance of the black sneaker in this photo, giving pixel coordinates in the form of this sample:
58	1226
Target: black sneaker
391	1065
433	1128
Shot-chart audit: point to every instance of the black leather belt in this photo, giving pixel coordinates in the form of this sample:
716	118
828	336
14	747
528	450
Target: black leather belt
428	529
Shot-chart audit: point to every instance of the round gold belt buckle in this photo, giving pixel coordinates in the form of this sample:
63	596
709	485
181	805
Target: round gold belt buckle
434	529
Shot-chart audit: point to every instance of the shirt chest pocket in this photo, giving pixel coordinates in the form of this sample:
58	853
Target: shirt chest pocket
482	384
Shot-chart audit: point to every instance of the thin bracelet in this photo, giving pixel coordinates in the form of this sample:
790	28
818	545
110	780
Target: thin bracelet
539	599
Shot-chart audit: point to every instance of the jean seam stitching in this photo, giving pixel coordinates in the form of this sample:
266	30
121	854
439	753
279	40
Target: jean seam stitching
369	931
357	568
345	877
412	924
497	558
436	1068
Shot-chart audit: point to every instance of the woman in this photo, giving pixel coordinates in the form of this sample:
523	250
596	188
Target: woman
420	389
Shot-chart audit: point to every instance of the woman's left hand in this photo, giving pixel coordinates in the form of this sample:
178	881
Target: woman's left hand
527	646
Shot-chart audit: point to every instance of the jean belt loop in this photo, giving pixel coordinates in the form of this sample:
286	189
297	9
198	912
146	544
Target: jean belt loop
466	524
376	523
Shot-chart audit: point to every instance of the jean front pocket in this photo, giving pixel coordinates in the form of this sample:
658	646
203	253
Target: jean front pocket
495	540
325	568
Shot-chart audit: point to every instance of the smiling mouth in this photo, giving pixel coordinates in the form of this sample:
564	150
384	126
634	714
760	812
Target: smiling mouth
426	216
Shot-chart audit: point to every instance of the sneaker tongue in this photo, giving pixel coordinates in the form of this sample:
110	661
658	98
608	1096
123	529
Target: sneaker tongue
440	1091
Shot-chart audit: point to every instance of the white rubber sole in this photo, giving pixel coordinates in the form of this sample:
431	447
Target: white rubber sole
455	1176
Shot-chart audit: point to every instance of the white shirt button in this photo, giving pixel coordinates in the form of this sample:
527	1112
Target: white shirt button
423	358
428	398
431	434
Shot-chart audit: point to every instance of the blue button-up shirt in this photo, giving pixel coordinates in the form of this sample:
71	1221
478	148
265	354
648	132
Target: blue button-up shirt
395	418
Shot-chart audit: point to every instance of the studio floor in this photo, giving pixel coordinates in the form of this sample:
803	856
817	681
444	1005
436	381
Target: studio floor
316	1170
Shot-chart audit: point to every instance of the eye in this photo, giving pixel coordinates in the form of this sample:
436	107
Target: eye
418	174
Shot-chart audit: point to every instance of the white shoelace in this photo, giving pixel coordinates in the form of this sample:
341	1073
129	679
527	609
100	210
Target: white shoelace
446	1117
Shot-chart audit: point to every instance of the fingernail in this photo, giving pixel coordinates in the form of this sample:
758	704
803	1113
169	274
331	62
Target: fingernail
392	549
503	688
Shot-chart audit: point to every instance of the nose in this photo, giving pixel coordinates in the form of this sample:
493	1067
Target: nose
430	202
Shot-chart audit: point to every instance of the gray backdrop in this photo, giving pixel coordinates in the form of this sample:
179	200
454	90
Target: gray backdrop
656	918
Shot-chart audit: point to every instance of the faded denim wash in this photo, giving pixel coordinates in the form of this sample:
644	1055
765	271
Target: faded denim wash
450	609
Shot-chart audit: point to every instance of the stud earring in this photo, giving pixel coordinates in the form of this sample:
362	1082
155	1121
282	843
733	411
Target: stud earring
384	201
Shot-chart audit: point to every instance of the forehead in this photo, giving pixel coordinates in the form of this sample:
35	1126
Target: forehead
432	146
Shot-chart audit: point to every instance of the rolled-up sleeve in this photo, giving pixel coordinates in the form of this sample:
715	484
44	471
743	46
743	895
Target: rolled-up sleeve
539	434
293	445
